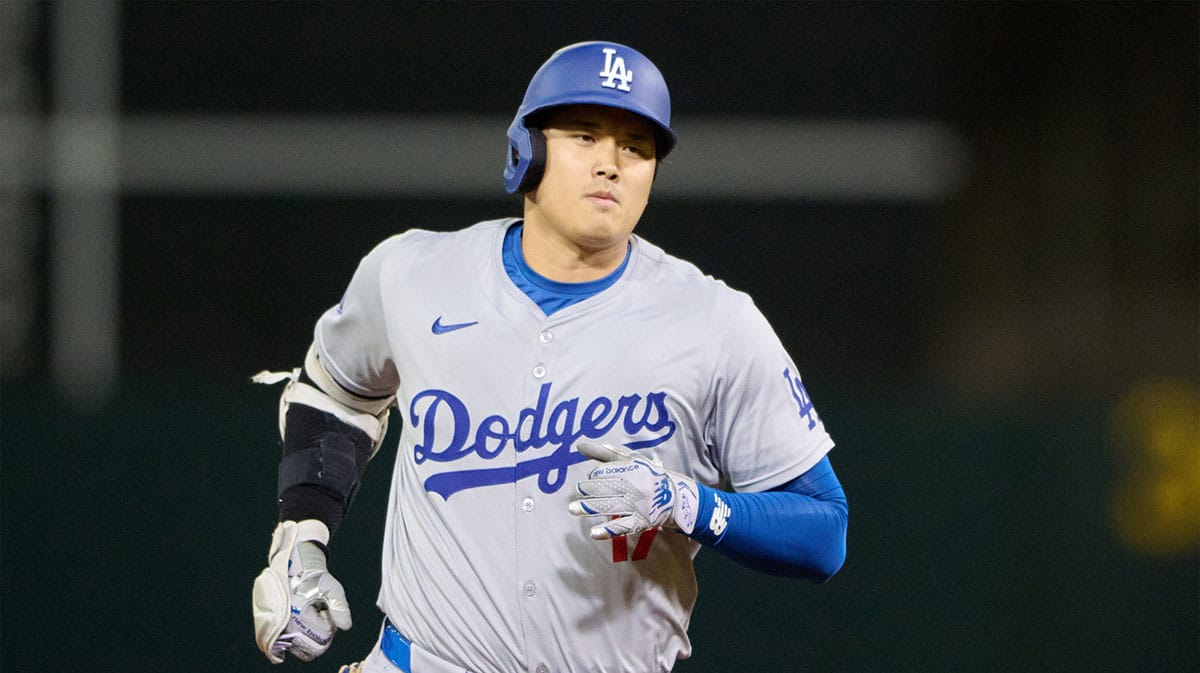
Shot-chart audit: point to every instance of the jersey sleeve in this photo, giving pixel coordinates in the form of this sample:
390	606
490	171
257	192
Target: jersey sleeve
764	429
352	338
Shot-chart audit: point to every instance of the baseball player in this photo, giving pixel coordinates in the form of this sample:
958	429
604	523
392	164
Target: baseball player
582	412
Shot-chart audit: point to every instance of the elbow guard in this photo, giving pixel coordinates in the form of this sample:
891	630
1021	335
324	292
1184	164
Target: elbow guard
329	434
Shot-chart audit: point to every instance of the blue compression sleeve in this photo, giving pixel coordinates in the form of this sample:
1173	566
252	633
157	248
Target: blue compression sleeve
795	530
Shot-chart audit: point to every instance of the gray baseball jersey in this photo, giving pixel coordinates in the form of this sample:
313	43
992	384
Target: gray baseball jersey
482	564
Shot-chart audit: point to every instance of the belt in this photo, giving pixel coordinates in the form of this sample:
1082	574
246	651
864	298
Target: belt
409	657
396	647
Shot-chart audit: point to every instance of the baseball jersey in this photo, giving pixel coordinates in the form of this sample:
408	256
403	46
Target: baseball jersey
483	565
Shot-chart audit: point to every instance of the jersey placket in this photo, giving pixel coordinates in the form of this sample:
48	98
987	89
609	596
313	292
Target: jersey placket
532	506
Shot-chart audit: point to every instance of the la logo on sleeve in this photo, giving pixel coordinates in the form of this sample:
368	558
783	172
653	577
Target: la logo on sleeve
803	401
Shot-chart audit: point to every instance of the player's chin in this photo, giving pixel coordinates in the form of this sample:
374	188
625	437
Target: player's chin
600	233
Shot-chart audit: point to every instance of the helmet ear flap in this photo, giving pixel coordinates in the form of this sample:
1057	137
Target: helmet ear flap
537	161
526	158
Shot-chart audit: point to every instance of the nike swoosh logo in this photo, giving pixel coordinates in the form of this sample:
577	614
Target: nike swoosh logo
439	328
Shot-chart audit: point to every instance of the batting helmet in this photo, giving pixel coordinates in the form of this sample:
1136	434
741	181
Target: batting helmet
599	73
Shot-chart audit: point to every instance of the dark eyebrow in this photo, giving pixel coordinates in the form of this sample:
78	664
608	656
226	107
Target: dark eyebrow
587	124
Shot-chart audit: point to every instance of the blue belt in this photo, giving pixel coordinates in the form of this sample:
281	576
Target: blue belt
396	647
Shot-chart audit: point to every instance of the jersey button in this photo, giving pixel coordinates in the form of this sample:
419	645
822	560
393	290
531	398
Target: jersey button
539	372
530	589
543	668
546	337
527	504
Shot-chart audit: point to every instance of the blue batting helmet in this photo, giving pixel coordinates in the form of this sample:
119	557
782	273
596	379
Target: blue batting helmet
599	73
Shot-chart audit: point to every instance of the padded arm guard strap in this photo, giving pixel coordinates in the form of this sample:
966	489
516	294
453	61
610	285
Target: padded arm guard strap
321	392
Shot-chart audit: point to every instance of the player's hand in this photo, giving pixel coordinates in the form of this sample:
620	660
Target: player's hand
635	489
298	605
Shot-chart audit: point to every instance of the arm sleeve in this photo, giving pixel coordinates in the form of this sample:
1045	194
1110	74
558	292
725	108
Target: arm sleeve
797	529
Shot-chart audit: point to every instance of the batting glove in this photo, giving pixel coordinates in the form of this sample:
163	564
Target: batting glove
298	605
637	490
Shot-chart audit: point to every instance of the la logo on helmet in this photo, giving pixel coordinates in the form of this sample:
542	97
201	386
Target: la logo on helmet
614	70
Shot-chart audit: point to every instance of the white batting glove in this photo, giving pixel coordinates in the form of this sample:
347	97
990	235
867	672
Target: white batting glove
298	605
636	489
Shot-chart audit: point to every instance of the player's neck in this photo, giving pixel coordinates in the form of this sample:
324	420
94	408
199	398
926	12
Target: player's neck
561	259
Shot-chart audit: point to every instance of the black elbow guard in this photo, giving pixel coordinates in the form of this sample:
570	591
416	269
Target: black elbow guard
322	451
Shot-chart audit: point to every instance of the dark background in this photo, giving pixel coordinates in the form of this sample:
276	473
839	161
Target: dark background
1001	367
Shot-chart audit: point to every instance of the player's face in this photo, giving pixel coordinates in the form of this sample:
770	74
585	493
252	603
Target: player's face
600	165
